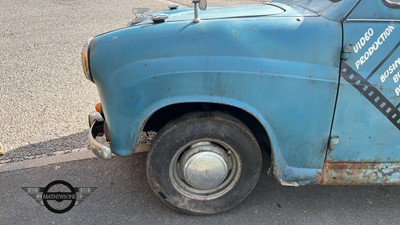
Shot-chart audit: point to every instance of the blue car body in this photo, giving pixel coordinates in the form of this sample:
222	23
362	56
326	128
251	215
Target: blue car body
320	77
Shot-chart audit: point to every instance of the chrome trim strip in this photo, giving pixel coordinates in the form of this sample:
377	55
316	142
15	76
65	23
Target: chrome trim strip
373	20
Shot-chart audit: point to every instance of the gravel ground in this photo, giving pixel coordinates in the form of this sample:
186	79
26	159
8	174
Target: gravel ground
44	97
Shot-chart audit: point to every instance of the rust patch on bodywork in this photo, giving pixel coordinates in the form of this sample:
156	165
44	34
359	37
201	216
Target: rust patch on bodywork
347	173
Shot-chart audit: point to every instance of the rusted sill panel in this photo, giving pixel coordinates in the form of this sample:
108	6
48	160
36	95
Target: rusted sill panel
361	173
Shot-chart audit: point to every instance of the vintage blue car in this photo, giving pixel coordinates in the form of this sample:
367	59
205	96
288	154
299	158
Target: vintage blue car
313	83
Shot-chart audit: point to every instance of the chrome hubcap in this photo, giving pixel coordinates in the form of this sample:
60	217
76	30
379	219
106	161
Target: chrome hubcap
205	169
204	166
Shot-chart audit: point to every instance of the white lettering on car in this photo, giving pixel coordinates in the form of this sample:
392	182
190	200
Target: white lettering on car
396	77
363	40
397	91
390	70
374	47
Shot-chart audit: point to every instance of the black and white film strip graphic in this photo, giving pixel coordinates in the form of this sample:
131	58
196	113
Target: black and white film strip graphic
372	94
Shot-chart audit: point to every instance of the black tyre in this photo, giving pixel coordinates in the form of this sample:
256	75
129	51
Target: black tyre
204	163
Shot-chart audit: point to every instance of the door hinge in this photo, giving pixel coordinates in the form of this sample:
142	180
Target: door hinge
346	52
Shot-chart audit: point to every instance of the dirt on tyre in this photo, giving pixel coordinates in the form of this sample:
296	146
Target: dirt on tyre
204	163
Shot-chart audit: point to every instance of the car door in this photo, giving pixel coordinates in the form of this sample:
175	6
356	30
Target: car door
367	117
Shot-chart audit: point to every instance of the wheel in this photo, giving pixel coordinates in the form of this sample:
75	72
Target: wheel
204	163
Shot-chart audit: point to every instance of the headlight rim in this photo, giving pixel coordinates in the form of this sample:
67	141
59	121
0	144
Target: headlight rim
85	56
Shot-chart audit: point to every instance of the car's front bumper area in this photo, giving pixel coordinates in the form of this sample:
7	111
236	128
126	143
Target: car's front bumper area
96	123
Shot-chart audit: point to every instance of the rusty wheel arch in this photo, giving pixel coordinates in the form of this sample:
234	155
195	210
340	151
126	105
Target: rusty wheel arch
162	116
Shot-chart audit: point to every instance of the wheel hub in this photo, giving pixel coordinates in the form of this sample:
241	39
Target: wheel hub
204	166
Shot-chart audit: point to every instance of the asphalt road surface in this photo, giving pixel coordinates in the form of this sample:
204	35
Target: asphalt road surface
124	197
44	97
